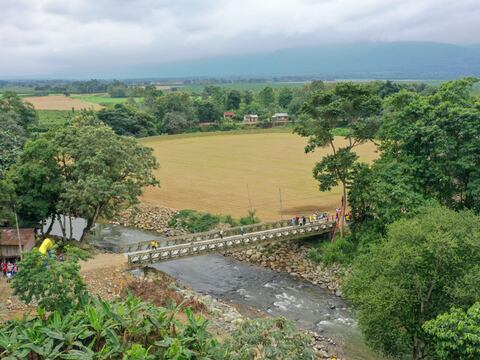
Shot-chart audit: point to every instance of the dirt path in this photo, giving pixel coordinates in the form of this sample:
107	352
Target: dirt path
104	276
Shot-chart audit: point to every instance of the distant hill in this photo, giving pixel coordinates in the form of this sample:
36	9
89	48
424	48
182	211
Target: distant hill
397	60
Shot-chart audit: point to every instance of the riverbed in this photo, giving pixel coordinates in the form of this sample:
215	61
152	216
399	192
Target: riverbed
277	294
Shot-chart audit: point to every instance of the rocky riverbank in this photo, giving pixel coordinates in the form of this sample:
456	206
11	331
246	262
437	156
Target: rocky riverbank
149	217
292	257
224	317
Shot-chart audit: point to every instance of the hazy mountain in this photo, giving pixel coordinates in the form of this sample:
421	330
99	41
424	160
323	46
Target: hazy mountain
398	60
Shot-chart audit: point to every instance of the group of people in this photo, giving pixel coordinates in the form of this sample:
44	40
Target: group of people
313	218
9	269
319	217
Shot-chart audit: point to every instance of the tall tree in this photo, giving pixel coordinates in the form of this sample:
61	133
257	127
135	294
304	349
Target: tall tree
37	182
436	136
267	96
11	102
424	266
349	105
285	97
103	172
233	100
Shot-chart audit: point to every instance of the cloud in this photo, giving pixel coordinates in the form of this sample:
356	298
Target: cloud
51	37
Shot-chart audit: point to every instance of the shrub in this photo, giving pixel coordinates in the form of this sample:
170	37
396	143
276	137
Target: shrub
53	284
194	221
341	251
268	339
250	219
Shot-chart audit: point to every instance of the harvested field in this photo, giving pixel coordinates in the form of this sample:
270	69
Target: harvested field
222	172
59	102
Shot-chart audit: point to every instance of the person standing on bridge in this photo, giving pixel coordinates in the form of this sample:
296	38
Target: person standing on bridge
304	220
242	231
221	233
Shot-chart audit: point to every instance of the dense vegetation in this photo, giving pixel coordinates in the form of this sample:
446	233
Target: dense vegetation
72	325
414	241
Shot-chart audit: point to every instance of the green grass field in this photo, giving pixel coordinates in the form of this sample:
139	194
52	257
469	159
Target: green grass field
100	99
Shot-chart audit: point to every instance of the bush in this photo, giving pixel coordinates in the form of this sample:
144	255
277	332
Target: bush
250	219
195	221
53	284
268	339
340	250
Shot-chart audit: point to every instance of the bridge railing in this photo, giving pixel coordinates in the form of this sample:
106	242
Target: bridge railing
208	235
219	244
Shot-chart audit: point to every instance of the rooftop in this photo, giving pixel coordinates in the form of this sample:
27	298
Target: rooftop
8	236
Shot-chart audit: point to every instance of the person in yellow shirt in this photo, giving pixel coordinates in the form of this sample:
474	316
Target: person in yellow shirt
47	244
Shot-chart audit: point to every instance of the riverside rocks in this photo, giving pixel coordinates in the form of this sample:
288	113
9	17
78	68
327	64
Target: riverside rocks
149	217
293	258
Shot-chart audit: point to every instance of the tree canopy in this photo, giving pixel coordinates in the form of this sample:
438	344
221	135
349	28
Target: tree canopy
423	267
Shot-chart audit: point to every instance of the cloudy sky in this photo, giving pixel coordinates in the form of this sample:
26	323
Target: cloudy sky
55	37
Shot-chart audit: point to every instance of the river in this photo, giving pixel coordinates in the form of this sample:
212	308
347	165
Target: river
275	293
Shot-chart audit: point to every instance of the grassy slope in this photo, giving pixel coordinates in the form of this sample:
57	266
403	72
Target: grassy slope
210	172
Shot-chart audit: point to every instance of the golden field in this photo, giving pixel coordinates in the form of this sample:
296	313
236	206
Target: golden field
59	102
219	172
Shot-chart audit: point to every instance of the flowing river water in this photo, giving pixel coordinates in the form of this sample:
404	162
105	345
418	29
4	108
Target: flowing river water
275	293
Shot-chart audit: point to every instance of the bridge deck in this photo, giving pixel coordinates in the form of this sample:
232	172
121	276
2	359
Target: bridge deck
200	247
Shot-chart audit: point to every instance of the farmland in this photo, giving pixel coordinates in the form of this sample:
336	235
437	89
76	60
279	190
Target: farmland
220	172
59	102
100	99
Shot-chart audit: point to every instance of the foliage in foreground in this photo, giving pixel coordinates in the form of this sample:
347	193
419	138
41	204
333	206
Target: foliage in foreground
128	329
421	269
456	334
135	330
53	284
195	221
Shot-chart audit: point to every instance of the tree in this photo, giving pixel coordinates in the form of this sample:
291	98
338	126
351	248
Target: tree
424	266
53	284
126	120
37	182
12	138
233	100
267	96
207	111
379	195
175	123
103	172
456	334
436	137
11	102
349	105
285	97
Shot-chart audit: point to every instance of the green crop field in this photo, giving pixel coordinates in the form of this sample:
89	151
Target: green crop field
48	119
241	86
225	172
100	99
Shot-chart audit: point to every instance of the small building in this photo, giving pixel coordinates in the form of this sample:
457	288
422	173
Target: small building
228	115
250	119
9	241
280	119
